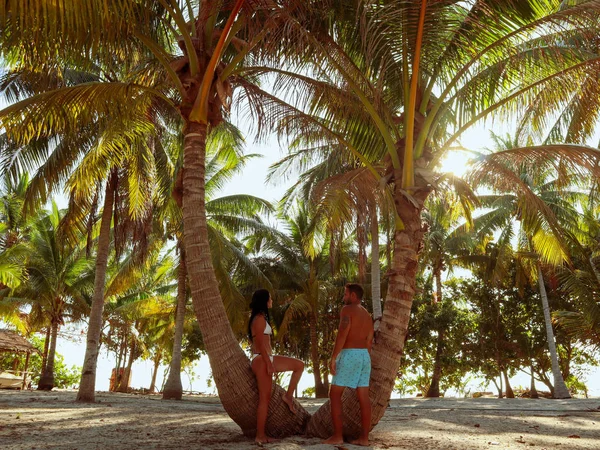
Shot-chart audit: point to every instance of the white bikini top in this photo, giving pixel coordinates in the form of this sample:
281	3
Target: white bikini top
268	329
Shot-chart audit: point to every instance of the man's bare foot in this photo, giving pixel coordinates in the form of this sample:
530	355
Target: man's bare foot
334	440
361	441
289	401
264	440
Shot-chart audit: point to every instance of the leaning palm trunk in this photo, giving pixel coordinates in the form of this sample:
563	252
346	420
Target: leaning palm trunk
389	341
87	386
375	270
47	379
560	388
230	366
173	388
157	359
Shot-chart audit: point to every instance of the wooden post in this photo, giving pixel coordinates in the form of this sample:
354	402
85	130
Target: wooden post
25	371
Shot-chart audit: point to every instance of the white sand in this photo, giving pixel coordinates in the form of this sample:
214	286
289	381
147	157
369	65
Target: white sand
53	420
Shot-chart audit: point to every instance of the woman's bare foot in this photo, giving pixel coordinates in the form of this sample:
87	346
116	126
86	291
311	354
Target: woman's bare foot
288	400
260	440
361	441
334	440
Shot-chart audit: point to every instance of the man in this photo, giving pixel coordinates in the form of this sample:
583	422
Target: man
351	364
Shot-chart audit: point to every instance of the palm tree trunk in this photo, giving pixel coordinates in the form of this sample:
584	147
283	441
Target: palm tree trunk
47	379
560	388
533	393
173	388
509	391
375	270
46	348
87	385
320	391
231	370
126	379
387	349
157	359
434	387
361	238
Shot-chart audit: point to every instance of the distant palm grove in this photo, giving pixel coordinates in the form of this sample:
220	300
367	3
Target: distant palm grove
138	112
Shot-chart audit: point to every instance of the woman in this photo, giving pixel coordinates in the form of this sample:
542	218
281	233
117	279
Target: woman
264	363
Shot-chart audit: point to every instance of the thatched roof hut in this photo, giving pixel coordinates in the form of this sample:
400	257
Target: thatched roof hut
10	341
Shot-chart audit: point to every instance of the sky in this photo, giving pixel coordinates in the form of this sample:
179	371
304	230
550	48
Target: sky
252	181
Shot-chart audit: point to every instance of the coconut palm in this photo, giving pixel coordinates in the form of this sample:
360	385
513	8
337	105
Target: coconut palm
582	281
402	84
59	282
229	219
542	201
111	152
209	44
447	239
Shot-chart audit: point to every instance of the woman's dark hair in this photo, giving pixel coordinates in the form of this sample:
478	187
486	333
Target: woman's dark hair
259	305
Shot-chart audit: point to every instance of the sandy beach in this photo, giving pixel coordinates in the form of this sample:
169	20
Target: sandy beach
53	420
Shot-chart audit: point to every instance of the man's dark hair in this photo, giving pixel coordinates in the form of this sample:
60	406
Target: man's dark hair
356	289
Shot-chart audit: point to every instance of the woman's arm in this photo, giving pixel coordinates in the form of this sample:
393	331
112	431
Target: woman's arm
261	340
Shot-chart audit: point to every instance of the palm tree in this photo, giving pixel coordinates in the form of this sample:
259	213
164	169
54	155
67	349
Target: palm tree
402	85
109	148
582	280
59	280
540	200
213	41
229	219
447	239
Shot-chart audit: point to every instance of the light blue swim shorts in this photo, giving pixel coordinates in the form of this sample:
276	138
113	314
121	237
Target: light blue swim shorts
353	368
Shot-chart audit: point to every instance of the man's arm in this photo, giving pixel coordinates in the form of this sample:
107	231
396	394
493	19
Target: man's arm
370	339
340	340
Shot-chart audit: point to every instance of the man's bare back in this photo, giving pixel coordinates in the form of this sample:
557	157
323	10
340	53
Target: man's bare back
360	334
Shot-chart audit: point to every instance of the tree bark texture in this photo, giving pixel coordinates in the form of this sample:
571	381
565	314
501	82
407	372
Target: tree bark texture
173	388
560	388
87	385
375	270
47	379
233	376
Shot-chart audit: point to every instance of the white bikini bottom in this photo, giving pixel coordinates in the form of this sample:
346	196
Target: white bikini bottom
258	354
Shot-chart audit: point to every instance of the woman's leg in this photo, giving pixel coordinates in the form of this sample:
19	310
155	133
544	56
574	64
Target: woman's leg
264	382
285	364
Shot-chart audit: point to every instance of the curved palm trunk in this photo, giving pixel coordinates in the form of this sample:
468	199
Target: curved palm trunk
87	385
375	270
560	388
47	379
230	366
173	388
387	349
157	359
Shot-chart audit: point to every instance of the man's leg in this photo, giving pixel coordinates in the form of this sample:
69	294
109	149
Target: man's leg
365	416
335	401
